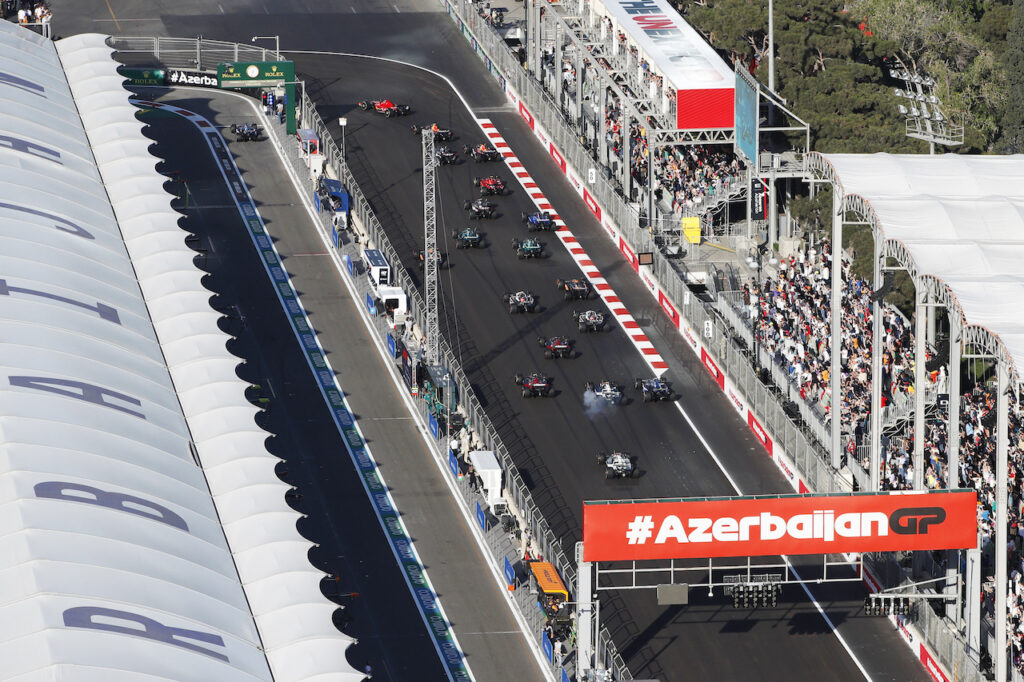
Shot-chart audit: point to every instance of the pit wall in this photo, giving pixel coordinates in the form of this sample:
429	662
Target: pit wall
773	448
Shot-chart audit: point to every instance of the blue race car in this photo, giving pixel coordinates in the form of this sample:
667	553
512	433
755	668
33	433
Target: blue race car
654	389
541	220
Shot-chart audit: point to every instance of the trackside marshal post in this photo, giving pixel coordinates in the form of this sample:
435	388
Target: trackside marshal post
262	75
772	525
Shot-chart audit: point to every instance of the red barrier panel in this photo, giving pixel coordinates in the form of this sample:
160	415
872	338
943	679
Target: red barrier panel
766	526
559	159
718	375
527	116
759	433
591	203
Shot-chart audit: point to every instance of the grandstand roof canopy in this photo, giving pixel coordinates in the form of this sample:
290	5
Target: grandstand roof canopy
960	219
703	81
113	562
143	531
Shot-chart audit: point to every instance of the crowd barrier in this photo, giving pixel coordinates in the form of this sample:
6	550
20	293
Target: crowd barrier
703	327
802	461
204	55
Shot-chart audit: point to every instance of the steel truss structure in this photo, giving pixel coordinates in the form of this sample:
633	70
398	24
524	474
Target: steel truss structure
571	30
430	253
966	342
712	573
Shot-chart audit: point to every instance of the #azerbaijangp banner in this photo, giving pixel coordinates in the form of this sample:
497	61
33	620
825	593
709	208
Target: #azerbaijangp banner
759	526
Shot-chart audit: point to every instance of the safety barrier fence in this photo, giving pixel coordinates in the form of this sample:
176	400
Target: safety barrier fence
541	112
205	55
709	322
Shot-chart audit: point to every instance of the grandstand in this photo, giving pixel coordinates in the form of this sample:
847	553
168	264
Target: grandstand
950	222
144	532
653	103
954	223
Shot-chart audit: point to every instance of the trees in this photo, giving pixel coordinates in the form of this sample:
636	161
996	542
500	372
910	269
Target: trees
947	40
1012	120
829	63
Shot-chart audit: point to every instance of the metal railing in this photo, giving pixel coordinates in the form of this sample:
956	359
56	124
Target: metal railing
189	53
811	460
205	55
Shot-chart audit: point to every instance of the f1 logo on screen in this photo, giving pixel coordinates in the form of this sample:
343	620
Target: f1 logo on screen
771	525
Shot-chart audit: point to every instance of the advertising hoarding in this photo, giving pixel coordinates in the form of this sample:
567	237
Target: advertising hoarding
746	115
792	525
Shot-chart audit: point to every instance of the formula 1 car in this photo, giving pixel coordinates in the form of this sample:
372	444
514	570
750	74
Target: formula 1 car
440	134
556	347
468	239
618	465
527	248
492	184
446	156
654	389
534	385
247	132
480	208
541	220
520	302
574	289
607	391
482	152
589	320
386	107
441	259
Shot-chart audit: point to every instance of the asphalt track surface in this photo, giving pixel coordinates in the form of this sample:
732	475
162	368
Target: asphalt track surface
339	517
383	617
553	440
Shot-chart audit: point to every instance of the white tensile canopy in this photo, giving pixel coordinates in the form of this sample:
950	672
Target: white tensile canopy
116	559
113	562
283	589
961	219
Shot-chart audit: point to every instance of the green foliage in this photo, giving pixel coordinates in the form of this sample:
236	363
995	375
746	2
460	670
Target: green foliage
814	214
1012	141
829	63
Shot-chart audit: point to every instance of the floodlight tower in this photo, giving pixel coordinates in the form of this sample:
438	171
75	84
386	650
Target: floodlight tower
430	353
924	117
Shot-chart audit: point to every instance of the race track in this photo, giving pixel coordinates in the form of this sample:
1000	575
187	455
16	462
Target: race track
553	440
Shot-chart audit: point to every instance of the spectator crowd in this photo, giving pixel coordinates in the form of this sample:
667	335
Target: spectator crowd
790	317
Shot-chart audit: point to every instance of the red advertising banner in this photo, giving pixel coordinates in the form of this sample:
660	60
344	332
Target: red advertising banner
797	524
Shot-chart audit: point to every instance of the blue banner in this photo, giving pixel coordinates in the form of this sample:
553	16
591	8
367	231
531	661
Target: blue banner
510	573
545	644
453	464
746	115
433	426
480	518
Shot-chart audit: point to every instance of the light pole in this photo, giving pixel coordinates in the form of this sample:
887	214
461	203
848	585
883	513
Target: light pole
771	45
922	123
277	43
343	122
